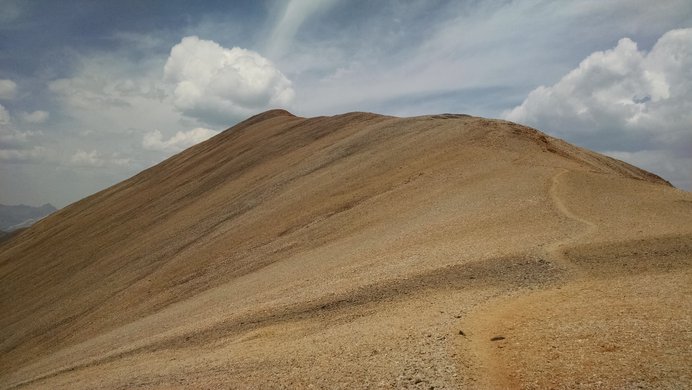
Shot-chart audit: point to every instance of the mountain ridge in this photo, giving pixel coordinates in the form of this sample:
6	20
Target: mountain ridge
306	219
13	217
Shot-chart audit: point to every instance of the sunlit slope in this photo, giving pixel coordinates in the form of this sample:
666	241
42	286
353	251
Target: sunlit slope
325	251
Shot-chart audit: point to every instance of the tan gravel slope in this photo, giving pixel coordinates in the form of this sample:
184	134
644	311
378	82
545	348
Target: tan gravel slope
358	251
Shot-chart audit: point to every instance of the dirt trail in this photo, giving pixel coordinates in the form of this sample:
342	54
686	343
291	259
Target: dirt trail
556	250
493	371
546	338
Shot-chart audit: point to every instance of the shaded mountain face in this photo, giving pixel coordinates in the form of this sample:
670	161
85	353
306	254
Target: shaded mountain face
21	216
351	251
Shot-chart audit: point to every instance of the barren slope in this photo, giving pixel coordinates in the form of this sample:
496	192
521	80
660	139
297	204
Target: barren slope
358	251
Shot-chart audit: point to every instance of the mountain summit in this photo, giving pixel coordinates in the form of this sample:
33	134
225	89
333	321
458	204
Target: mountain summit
358	250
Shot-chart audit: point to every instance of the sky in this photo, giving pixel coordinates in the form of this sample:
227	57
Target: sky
92	92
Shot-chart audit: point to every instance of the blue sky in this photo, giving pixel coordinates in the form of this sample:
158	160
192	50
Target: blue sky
91	92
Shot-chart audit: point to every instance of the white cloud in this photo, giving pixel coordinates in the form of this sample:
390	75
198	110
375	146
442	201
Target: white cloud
8	89
180	141
105	82
33	154
402	54
15	145
95	159
624	100
4	116
35	117
219	85
111	97
10	137
293	16
82	157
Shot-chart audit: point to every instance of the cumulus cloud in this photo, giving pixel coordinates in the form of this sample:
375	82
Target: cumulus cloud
93	89
8	88
95	159
35	117
33	154
180	141
109	96
15	145
219	85
11	138
624	100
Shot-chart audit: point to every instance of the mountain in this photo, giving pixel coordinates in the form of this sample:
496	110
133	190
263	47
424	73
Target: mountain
354	251
21	216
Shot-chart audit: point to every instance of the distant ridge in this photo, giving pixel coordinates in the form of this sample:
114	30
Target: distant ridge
21	216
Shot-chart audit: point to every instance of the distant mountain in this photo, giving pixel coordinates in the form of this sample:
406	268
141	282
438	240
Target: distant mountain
4	236
17	217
